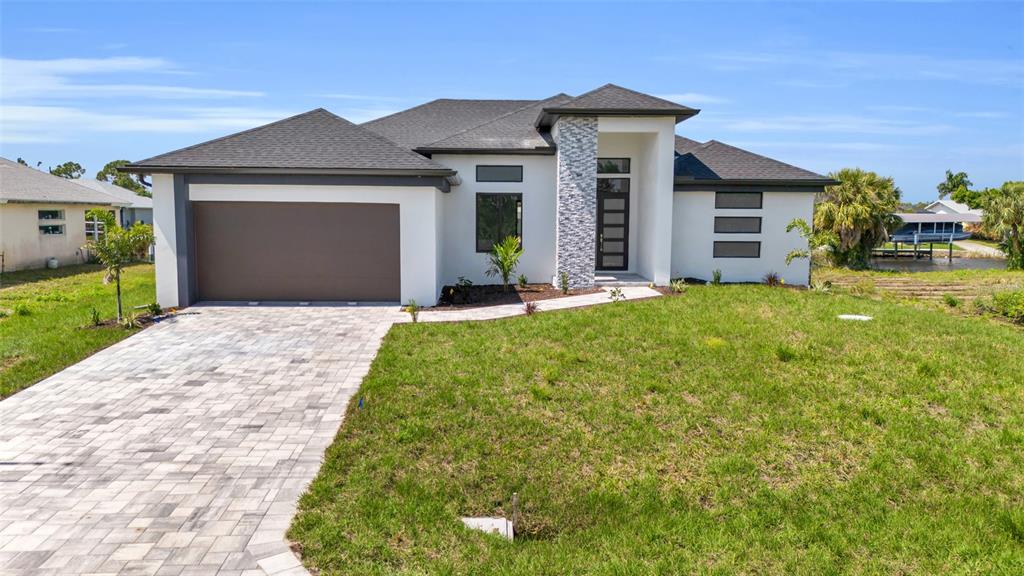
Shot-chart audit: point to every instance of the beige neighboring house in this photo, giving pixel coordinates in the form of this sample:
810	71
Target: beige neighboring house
43	217
137	209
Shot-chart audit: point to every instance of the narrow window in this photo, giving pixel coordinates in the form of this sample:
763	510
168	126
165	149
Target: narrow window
737	249
51	214
498	216
52	229
499	173
613	185
737	224
613	165
731	200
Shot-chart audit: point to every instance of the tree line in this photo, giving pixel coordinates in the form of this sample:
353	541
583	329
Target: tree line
109	173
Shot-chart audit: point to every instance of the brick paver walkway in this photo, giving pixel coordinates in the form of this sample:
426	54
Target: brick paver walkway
183	449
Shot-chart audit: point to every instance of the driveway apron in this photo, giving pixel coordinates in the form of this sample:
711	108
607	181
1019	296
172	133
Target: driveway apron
183	449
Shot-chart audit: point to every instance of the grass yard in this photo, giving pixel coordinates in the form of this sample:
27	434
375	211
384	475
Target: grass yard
732	429
966	285
47	311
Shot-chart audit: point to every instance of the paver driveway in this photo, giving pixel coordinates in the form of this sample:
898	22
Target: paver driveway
183	449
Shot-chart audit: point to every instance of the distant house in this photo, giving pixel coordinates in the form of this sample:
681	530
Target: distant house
941	221
137	208
43	216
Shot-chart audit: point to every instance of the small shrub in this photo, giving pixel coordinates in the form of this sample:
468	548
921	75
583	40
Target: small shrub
821	287
530	308
615	294
130	320
22	309
522	281
413	309
1009	304
677	286
950	300
94	317
784	353
772	279
563	282
4	313
716	277
503	259
154	309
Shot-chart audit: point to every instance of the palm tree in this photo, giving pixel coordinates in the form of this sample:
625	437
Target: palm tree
504	258
857	213
1004	214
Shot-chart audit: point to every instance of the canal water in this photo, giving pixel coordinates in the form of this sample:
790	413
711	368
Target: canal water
925	265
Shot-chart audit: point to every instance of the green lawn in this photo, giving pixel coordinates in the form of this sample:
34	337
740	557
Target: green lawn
55	306
733	429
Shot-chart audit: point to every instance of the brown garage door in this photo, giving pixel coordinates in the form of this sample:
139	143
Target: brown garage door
297	251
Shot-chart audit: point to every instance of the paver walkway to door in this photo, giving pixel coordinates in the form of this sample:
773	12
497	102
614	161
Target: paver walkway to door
183	449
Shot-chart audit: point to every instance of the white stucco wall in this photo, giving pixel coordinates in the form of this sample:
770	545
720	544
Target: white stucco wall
417	219
25	248
458	231
165	251
693	238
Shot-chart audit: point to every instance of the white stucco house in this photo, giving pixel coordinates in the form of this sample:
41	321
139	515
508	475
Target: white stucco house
597	186
43	216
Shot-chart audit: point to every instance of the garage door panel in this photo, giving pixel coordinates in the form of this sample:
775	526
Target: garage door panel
297	251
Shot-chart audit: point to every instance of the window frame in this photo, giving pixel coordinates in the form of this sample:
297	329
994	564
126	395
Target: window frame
714	254
479	166
719	193
476	219
759	219
629	166
60	227
59	214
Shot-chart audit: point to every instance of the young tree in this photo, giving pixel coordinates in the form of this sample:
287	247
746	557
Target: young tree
132	182
69	170
504	258
1004	214
953	183
118	247
856	215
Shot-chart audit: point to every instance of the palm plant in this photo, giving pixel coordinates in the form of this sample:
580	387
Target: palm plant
118	247
503	259
1004	214
857	214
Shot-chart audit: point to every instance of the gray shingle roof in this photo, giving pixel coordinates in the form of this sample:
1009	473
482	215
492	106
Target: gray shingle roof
439	119
512	131
315	140
23	184
129	197
714	160
612	97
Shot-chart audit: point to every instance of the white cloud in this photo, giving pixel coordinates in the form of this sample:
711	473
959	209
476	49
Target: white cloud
687	98
983	114
52	80
32	123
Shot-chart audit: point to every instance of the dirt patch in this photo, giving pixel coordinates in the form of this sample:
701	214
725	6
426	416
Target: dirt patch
476	295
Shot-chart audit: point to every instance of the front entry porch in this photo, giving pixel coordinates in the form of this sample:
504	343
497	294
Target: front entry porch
615	278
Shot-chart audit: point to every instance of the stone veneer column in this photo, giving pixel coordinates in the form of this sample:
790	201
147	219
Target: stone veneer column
576	230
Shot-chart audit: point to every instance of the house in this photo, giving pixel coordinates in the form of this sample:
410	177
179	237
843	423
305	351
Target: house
43	216
137	209
314	207
941	221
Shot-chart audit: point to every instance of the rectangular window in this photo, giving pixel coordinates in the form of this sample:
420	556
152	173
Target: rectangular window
730	200
51	214
613	185
52	229
613	165
737	224
498	216
499	173
737	249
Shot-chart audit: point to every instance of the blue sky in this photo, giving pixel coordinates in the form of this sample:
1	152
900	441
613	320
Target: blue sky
907	90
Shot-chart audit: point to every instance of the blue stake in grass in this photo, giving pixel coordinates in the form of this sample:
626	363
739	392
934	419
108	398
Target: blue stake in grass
360	402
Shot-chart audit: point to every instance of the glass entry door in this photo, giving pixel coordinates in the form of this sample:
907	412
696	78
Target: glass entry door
612	223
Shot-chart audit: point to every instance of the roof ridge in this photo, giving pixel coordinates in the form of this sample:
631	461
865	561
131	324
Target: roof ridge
495	119
226	136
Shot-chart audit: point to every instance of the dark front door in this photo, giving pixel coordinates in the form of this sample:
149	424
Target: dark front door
612	223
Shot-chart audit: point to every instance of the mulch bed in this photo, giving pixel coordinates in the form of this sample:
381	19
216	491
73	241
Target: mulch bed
479	295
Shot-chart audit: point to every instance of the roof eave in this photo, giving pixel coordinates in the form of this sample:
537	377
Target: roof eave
53	201
548	116
545	151
804	184
157	169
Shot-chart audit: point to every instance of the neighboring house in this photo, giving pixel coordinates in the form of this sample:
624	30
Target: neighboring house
314	207
137	209
43	216
941	221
